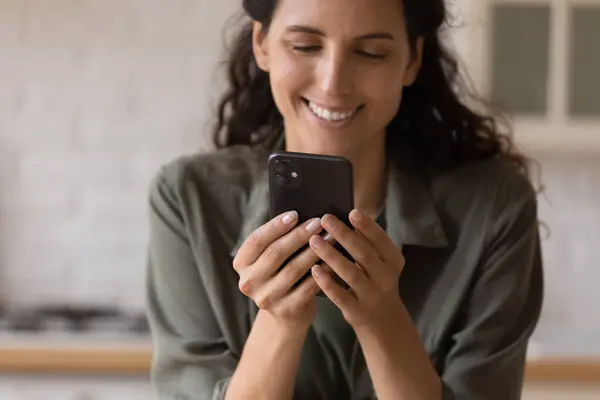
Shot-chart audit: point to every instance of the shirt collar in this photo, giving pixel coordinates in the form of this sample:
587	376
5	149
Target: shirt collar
410	214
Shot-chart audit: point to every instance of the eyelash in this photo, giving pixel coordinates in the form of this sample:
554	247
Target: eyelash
310	49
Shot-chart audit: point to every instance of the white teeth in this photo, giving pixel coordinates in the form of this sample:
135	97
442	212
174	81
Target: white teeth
329	115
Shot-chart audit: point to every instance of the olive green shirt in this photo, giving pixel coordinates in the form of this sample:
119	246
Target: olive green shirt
472	281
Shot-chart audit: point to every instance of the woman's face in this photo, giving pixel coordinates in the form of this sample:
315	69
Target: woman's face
337	70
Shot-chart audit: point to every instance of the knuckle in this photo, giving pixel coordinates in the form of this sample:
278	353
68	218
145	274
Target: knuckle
273	253
245	285
255	238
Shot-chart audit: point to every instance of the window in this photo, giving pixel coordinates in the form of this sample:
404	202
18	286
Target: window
540	61
584	61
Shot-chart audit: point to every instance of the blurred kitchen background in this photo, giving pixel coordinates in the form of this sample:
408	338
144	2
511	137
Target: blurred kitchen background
95	95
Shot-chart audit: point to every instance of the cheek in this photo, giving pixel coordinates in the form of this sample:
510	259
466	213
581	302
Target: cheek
384	91
288	79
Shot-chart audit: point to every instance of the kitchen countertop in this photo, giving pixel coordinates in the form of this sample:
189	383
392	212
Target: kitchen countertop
132	355
79	353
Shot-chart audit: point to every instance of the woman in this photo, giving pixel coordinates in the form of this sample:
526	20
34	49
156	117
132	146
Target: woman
447	288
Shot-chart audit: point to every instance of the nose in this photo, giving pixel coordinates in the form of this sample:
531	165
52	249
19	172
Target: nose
335	74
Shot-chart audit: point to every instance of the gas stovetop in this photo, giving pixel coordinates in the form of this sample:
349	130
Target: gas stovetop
72	319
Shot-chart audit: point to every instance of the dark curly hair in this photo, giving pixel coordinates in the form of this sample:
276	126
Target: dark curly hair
433	127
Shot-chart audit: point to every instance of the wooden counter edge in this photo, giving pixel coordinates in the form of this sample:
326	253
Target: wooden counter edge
120	361
563	370
127	361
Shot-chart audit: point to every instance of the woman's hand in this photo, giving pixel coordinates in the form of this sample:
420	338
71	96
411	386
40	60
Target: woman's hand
373	279
263	253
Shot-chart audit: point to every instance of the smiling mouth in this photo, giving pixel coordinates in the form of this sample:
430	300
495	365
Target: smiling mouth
329	115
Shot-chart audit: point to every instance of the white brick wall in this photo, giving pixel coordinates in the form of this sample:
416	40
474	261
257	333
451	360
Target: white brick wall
570	207
94	95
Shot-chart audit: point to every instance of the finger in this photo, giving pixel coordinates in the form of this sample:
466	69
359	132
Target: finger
348	271
282	282
362	252
263	236
264	285
298	298
376	237
275	254
338	295
326	268
333	275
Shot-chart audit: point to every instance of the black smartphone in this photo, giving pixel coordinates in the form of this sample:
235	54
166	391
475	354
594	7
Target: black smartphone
313	185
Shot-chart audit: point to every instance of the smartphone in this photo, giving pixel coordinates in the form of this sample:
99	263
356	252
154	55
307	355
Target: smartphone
313	185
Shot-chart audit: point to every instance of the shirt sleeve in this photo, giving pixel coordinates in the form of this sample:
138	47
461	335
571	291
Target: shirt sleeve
191	358
488	352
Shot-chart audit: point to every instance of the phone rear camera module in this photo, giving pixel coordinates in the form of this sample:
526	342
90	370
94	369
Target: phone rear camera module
280	167
281	180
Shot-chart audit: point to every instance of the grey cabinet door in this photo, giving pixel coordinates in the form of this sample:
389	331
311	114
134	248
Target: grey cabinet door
539	60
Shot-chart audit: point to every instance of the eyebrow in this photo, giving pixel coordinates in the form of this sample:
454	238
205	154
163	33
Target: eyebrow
315	31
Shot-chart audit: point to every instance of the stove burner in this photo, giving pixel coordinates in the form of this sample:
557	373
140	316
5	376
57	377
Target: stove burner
24	322
74	319
79	319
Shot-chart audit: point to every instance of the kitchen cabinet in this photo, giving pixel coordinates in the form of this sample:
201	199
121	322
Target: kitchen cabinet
537	59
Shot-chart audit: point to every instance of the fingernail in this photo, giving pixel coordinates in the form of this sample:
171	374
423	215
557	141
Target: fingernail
290	217
328	238
356	215
317	270
328	220
314	225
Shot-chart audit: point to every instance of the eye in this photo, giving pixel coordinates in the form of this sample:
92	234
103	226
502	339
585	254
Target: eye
373	56
306	49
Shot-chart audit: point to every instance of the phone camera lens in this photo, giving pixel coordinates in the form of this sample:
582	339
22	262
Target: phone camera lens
280	166
281	180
